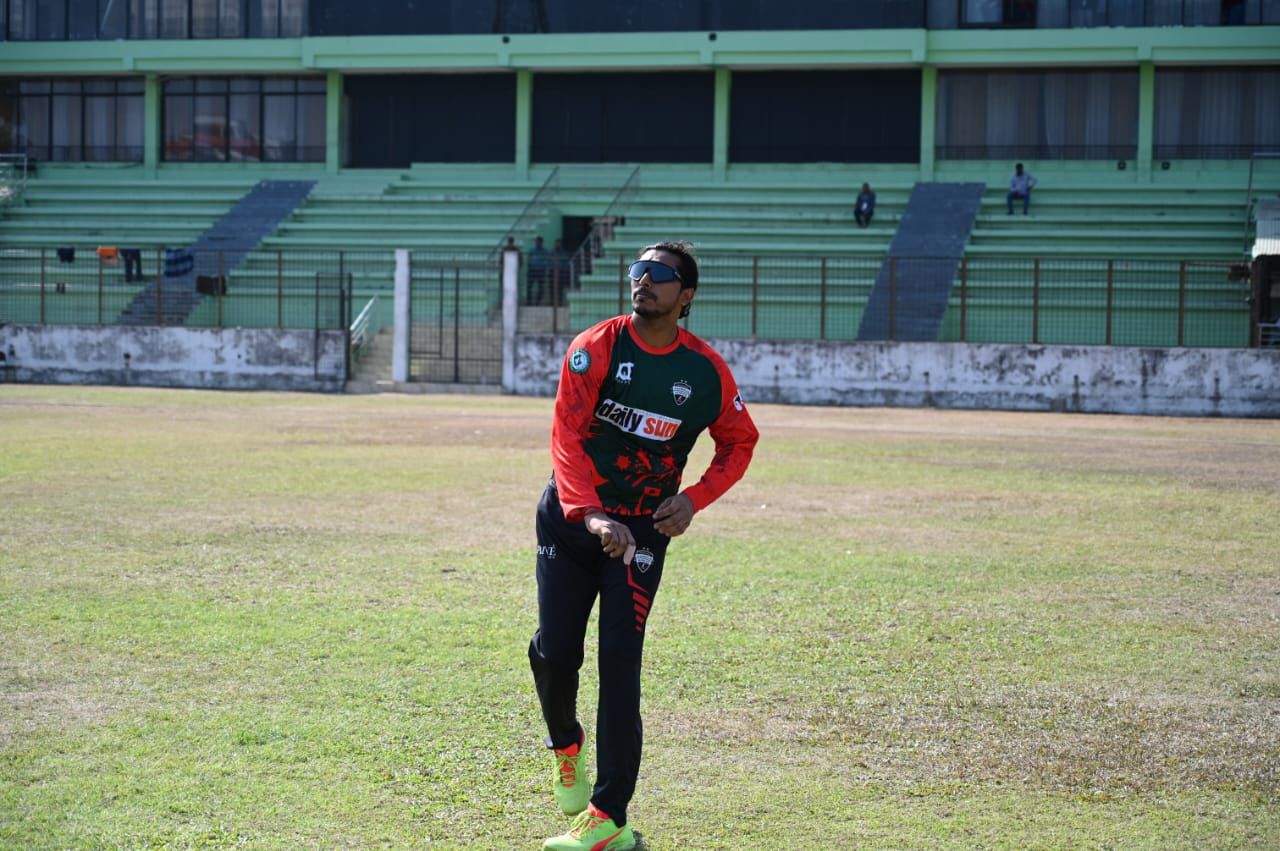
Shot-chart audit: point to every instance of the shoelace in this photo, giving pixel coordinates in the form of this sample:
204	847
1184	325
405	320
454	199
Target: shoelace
568	770
585	824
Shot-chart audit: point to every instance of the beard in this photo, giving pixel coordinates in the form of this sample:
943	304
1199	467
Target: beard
647	308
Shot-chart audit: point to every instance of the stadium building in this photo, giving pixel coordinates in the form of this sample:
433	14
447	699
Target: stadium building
240	164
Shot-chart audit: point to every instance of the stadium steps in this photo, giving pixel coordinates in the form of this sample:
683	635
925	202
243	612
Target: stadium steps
217	252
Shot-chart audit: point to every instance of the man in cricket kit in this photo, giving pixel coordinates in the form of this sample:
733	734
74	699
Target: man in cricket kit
635	392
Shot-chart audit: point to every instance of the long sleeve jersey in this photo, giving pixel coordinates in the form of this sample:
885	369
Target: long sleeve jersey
627	415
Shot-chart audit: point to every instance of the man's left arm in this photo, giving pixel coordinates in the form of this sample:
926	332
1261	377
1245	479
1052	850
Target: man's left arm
735	436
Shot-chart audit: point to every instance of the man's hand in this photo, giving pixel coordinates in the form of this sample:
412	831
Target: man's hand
615	537
674	515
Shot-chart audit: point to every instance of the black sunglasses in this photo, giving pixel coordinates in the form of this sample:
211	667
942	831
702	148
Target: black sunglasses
659	273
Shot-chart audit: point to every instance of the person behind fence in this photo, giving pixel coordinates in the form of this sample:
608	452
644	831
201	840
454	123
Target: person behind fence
864	207
559	271
132	258
539	266
1020	186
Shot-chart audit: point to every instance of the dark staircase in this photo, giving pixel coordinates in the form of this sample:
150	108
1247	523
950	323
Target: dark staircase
914	282
170	300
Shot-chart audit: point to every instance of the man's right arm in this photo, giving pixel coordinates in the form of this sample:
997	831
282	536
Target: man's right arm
576	397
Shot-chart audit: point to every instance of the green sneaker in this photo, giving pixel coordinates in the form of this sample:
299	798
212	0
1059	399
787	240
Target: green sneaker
593	830
570	785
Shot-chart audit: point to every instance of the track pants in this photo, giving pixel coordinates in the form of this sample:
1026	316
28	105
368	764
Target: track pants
572	571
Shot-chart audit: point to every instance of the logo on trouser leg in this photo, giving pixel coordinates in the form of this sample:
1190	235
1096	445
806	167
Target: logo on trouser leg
643	560
547	551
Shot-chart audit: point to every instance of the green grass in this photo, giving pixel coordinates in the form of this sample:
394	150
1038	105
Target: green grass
281	621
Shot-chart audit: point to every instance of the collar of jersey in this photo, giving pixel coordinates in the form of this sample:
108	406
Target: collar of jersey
635	337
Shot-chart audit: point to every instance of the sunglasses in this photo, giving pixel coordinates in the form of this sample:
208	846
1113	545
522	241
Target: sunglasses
659	273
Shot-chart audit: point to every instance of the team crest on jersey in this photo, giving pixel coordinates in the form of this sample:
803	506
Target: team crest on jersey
681	391
643	560
580	361
624	372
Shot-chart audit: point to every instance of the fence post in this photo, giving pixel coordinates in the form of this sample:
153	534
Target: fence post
1182	298
964	296
1111	289
279	288
342	277
822	301
457	328
1035	301
555	294
218	285
755	291
99	291
893	295
42	283
160	276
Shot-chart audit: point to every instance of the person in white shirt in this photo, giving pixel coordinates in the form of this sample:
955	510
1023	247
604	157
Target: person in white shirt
1020	186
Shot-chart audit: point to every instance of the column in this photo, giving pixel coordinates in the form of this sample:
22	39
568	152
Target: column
151	133
928	120
333	122
1146	117
720	131
524	120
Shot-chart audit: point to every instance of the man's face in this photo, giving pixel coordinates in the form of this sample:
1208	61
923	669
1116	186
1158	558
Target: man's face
653	301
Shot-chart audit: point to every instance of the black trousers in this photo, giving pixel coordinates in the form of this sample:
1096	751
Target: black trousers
572	571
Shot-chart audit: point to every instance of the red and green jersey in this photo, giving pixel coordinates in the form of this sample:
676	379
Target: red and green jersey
627	415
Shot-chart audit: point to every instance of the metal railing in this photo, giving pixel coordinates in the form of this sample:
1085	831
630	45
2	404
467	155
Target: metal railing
1037	151
365	327
1035	301
602	229
75	285
14	171
532	210
1249	199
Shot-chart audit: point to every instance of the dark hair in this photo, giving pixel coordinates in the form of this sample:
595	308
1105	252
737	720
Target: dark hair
687	263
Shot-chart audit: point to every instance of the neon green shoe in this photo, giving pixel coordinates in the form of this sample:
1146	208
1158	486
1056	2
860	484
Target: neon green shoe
593	830
571	787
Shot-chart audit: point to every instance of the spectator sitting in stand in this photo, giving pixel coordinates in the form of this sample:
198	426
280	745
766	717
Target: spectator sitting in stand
1020	186
539	266
865	206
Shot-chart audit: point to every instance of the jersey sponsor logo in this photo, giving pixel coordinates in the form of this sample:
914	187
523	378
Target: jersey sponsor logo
624	372
637	421
681	391
643	560
580	361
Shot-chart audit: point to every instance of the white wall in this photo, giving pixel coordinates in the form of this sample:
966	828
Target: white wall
225	358
1093	379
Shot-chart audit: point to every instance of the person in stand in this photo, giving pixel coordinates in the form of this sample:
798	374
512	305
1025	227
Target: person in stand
559	272
539	266
864	207
1020	186
635	393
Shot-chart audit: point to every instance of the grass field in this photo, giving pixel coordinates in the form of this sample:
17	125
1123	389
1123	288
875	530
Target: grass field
284	621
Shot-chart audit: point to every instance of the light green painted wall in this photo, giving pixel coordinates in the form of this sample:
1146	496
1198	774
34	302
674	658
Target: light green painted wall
651	51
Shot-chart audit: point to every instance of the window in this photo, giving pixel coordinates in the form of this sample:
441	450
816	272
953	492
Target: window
1056	115
244	119
79	120
1216	113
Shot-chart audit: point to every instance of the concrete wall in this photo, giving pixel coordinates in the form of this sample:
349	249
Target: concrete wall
1091	379
221	358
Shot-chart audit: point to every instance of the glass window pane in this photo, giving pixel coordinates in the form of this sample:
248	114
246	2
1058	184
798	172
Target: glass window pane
112	19
99	86
313	84
66	87
66	128
204	18
33	131
99	129
230	21
173	19
31	87
246	132
311	128
210	142
211	85
144	18
280	129
279	84
245	85
130	124
292	18
130	85
178	122
51	20
82	20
